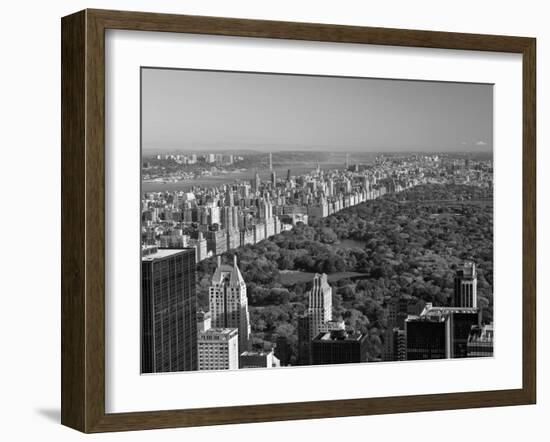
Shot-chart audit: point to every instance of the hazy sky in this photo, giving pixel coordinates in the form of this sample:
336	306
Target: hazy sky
185	109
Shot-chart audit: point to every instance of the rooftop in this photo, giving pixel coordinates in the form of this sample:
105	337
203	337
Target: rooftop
339	335
225	272
430	310
163	253
221	332
256	353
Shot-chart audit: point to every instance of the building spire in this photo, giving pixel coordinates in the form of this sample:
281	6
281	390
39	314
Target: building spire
219	261
235	261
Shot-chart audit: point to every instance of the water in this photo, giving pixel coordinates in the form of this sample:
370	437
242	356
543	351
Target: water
227	178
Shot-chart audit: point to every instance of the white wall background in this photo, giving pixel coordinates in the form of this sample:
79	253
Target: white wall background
30	223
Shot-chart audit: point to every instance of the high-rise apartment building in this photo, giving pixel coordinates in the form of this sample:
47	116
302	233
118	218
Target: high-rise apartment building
200	245
229	302
466	286
168	310
218	349
320	304
317	318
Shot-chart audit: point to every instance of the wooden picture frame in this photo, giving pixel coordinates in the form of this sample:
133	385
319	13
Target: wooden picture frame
83	220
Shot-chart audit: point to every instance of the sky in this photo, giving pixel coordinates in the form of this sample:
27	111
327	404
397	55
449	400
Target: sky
215	110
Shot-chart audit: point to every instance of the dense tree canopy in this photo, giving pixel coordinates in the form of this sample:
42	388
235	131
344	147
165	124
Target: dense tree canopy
406	244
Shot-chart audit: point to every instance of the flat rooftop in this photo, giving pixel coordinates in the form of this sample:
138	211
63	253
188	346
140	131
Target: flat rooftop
256	353
339	336
163	253
219	331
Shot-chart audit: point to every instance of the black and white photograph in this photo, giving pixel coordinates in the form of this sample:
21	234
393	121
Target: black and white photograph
299	220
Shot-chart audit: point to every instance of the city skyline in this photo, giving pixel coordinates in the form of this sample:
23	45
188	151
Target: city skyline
186	110
303	246
287	270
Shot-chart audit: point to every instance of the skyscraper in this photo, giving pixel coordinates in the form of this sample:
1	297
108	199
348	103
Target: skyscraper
317	319
428	337
168	310
466	286
440	332
229	302
229	196
320	304
257	182
304	340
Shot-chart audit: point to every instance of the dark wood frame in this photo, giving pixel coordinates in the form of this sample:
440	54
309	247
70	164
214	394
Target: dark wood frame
83	216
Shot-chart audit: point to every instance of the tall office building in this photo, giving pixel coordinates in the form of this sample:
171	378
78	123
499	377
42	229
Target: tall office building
440	332
218	349
229	302
304	340
466	286
462	322
339	347
168	310
428	337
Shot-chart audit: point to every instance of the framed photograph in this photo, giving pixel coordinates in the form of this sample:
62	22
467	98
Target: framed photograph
266	221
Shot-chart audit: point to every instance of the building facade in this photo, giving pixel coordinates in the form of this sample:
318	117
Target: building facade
320	304
339	347
440	332
317	318
229	302
168	311
218	349
480	342
428	337
258	359
466	286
